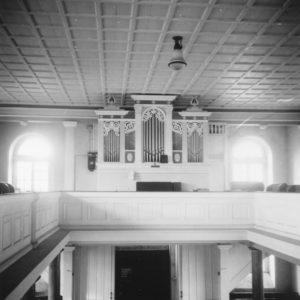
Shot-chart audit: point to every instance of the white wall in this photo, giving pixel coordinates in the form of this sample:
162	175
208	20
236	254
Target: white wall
239	264
85	180
284	143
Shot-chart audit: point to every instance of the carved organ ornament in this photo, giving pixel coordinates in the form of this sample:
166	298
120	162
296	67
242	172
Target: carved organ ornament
129	127
111	126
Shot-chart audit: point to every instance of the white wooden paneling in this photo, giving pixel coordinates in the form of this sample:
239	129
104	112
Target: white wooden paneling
18	230
94	272
7	232
156	209
277	213
17	212
193	272
15	224
47	205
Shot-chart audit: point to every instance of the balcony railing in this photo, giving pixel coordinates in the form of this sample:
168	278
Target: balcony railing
26	219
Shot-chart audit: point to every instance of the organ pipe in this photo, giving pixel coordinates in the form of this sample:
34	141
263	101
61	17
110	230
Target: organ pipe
112	147
153	146
194	147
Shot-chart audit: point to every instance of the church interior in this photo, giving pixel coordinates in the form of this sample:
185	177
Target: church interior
149	149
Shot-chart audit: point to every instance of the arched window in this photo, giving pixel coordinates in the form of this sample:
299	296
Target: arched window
31	155
251	161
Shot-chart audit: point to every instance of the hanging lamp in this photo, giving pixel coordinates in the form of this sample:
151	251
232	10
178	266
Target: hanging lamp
177	61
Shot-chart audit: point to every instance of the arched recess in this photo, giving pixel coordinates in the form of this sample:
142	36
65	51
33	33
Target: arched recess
251	160
30	161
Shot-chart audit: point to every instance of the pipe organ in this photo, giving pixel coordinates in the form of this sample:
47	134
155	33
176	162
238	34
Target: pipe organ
154	143
154	131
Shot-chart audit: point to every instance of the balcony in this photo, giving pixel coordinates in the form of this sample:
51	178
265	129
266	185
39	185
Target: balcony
269	220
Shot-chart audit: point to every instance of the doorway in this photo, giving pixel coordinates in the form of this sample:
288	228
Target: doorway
142	274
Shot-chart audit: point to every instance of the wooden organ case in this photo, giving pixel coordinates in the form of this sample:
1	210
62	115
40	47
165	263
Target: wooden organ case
152	144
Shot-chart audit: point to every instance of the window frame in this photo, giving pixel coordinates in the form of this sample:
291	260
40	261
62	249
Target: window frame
14	158
265	161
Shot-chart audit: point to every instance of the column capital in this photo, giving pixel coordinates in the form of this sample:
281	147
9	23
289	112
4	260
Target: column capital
224	247
252	247
168	109
138	108
69	248
70	124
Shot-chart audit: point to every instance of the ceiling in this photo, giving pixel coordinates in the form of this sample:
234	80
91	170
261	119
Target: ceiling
241	55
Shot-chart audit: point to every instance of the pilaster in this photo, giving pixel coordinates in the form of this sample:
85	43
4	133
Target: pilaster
138	133
224	271
69	161
67	272
168	133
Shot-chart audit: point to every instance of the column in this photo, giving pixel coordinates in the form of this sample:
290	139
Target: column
205	140
69	162
138	133
33	220
67	272
257	274
100	141
168	133
224	271
226	160
174	261
184	143
54	279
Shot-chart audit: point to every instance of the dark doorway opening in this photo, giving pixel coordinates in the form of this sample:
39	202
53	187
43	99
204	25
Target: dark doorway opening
142	275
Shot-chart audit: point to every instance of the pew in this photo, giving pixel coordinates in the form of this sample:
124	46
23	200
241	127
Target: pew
277	188
246	186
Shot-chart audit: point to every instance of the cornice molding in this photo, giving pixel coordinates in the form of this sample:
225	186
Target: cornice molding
232	117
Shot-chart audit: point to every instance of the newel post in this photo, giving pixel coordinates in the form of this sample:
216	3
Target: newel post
33	211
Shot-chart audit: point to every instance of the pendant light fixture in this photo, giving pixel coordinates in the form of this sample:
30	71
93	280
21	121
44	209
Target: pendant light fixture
177	61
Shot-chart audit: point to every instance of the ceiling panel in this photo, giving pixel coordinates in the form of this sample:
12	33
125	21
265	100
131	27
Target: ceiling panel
241	54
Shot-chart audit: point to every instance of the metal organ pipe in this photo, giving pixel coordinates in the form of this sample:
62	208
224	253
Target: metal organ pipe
144	142
153	137
158	139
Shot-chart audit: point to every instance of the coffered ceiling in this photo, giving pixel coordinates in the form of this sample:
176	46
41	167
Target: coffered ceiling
242	55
